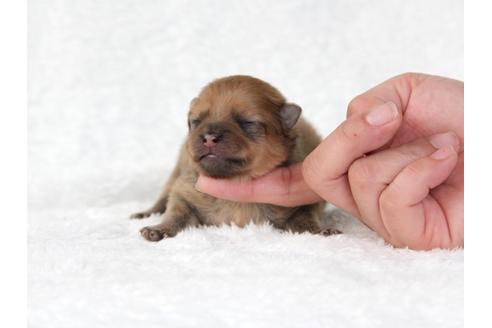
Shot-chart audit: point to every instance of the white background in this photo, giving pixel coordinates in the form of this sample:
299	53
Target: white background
109	86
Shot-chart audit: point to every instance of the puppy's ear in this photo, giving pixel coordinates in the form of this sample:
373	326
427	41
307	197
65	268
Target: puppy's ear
289	114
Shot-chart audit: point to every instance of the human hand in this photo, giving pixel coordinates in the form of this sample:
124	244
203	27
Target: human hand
396	163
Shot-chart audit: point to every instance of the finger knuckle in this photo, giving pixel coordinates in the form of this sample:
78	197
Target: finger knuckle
408	79
389	201
314	174
355	105
361	172
407	76
286	181
413	171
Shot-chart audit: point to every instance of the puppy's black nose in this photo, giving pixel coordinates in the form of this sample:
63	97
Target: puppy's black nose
210	139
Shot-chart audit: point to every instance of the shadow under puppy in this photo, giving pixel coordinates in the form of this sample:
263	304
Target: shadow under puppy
239	127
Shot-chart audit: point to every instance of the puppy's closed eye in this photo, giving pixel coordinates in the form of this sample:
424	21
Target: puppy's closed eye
193	123
251	128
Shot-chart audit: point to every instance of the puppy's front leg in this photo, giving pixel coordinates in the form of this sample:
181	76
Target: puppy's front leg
178	216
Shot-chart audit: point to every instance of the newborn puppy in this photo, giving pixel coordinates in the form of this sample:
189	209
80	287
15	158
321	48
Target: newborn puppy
239	127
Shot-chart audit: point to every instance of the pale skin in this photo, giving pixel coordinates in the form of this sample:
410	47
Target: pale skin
396	163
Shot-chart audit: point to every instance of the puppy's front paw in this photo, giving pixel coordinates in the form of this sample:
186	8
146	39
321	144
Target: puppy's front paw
153	233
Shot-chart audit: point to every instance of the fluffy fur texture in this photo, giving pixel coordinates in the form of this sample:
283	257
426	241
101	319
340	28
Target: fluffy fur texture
239	127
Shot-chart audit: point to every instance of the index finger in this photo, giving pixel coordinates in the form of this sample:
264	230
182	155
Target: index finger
283	186
325	169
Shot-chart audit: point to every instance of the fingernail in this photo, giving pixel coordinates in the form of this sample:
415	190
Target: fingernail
382	114
443	153
443	140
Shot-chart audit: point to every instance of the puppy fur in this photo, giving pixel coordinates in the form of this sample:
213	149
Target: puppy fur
240	127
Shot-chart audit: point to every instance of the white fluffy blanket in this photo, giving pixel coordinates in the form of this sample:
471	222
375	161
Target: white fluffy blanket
109	85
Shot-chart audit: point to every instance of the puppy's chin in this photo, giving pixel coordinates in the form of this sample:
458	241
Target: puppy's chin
221	167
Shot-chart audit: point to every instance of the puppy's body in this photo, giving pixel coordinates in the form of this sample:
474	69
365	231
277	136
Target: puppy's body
240	127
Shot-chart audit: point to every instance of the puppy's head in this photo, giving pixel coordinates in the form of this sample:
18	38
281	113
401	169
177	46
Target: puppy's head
240	126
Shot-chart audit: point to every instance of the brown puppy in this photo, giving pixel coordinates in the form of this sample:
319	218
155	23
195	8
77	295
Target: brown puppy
239	126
